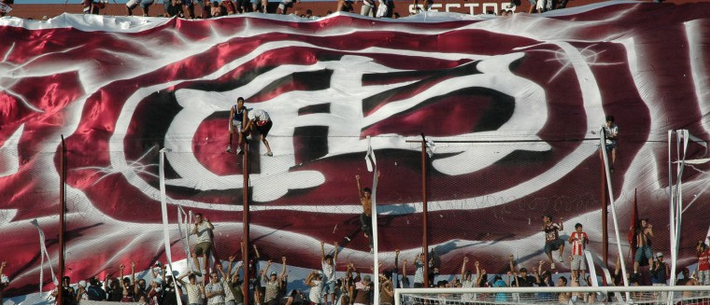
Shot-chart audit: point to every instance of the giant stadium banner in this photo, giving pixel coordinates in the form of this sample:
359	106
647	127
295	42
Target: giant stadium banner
513	106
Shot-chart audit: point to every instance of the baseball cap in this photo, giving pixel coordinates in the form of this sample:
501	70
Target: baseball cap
274	273
82	283
366	278
659	254
4	279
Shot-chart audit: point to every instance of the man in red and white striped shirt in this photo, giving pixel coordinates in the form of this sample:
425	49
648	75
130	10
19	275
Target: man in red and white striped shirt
579	241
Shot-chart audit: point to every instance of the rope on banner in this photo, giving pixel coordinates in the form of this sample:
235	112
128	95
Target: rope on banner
44	253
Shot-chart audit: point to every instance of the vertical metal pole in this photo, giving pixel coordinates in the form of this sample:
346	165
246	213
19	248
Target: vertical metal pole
62	209
605	212
425	220
245	219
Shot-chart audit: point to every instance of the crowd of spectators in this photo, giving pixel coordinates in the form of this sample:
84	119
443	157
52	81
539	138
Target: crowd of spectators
218	284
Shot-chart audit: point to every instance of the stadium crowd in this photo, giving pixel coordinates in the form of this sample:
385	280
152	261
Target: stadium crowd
220	284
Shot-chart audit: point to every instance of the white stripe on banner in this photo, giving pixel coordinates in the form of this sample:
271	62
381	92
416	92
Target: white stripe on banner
372	167
166	232
44	253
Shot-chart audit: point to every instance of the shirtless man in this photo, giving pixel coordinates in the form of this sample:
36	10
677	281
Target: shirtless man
366	216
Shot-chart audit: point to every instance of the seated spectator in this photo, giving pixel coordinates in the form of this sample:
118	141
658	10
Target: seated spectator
315	281
229	7
522	278
284	5
175	8
114	292
703	254
361	292
217	9
214	290
207	10
498	282
563	297
194	290
232	284
467	280
543	278
386	288
188	7
95	292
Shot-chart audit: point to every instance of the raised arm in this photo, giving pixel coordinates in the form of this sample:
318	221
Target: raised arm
404	269
322	251
359	187
153	273
209	224
511	265
123	283
463	267
477	265
181	277
386	288
396	259
562	224
133	278
229	269
220	270
106	282
283	266
336	250
256	251
309	278
2	267
265	275
481	278
235	276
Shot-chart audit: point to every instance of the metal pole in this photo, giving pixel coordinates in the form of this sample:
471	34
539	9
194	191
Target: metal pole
245	220
62	209
425	220
605	212
610	193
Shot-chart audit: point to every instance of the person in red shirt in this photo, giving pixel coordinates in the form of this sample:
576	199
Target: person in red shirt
703	253
579	241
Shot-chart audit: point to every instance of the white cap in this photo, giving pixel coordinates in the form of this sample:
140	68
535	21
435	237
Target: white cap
4	279
82	283
659	254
